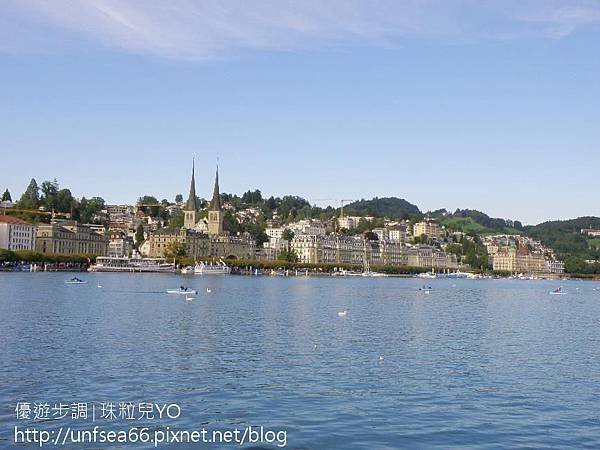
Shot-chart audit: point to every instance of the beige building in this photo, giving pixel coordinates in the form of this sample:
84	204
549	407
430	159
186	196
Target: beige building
331	249
70	238
428	228
196	244
16	234
429	257
200	245
521	260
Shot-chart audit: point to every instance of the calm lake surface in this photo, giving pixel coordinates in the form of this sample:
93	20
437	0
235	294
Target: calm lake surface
473	364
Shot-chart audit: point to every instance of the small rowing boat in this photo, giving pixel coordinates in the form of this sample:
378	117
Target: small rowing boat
184	291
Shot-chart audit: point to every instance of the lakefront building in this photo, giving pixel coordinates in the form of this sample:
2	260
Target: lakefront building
428	228
70	238
356	250
16	234
203	237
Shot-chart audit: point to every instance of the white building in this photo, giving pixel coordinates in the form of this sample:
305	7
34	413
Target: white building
382	233
308	227
398	233
351	222
555	266
16	234
120	244
273	232
274	247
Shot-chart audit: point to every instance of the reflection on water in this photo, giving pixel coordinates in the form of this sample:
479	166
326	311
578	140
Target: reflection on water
473	364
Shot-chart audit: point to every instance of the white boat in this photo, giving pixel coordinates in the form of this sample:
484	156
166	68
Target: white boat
218	268
557	291
188	270
78	281
180	291
134	264
427	275
373	274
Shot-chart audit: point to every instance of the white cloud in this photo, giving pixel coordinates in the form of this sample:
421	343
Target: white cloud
201	29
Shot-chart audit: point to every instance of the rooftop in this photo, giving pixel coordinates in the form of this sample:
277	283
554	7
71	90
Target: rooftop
13	220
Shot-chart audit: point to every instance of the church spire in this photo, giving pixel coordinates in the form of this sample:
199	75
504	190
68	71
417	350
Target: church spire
191	204
215	203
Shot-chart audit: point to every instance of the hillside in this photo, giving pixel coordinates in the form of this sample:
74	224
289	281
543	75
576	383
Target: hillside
391	207
565	237
475	222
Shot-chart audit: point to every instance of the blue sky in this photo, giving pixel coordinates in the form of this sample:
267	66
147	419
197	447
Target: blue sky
474	104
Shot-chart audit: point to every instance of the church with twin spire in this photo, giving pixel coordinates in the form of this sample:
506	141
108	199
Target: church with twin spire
214	220
203	232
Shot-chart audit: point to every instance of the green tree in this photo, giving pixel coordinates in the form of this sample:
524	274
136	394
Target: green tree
149	205
49	192
139	235
31	197
65	202
7	255
175	250
574	264
230	223
288	256
87	209
287	235
176	219
252	198
257	232
6	196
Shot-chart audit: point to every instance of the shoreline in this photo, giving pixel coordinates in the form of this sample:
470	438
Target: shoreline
323	274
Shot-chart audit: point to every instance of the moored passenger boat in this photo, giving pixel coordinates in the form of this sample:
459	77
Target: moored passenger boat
218	268
133	264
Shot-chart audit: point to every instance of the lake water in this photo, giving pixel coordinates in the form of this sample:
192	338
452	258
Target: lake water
473	364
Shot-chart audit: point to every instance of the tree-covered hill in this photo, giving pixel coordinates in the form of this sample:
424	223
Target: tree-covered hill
565	237
475	222
391	207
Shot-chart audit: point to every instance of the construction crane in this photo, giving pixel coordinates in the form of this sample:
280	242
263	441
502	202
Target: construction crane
342	208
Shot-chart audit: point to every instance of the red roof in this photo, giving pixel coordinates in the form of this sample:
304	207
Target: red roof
11	219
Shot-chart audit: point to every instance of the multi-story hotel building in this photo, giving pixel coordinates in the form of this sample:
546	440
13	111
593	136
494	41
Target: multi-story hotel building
523	260
16	234
428	228
332	249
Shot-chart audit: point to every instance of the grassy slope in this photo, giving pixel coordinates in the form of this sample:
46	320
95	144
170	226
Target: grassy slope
468	225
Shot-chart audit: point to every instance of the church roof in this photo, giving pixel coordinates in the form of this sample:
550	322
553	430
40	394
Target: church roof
191	204
215	203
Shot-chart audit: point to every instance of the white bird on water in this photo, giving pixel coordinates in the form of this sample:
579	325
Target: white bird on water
381	358
208	290
343	313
